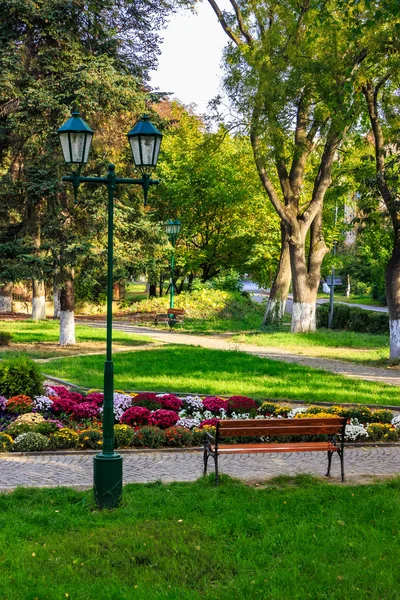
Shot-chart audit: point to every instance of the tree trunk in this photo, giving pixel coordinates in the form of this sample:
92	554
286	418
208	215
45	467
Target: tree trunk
56	300
276	305
67	320
190	281
152	290
38	300
6	298
116	294
392	279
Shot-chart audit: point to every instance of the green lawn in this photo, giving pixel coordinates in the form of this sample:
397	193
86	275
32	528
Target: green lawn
294	538
199	370
345	345
40	339
367	300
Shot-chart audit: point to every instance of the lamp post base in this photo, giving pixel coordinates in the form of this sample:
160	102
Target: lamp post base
107	480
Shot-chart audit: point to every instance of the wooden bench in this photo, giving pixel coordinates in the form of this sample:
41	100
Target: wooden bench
172	317
333	427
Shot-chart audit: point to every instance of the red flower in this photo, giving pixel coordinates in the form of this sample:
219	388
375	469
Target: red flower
214	404
163	418
170	402
136	415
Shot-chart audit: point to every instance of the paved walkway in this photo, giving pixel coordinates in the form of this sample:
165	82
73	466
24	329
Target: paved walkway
220	342
75	470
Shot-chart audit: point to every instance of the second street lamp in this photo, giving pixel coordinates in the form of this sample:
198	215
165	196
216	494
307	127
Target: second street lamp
172	229
145	140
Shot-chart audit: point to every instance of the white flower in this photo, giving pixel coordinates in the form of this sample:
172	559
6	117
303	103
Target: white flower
189	423
292	413
41	403
396	422
208	415
355	431
49	391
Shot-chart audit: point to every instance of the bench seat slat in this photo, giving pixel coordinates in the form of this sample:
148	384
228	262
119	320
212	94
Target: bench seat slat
279	422
284	430
291	447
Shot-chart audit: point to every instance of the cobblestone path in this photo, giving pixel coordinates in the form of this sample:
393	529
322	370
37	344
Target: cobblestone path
222	342
75	470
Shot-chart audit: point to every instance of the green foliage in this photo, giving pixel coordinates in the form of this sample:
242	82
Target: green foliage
30	442
381	432
123	436
90	439
63	439
15	429
178	437
5	338
46	428
353	319
6	442
382	416
20	376
150	437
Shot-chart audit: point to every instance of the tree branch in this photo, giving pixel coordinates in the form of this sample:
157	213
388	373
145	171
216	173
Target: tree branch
243	29
224	24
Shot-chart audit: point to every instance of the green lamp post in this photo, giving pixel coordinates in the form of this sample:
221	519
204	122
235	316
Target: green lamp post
172	229
145	140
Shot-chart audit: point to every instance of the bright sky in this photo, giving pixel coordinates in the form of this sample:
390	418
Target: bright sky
191	54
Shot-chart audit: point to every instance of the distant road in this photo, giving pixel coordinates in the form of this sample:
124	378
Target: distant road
258	294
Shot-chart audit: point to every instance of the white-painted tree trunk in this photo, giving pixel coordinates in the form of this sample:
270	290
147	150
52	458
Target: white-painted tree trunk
275	311
67	328
57	301
5	304
394	326
303	317
39	308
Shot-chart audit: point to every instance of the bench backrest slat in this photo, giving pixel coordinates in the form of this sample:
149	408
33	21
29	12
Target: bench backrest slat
275	427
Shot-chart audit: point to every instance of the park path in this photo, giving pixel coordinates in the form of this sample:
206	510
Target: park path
223	342
75	469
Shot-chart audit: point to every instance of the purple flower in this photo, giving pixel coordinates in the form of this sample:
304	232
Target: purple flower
41	403
3	402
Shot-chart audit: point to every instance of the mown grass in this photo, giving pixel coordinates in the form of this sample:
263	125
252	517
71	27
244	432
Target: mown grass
367	300
199	370
40	339
364	348
294	538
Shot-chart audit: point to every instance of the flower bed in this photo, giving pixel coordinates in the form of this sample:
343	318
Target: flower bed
62	419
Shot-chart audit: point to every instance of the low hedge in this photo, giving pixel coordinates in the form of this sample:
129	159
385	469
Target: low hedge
353	318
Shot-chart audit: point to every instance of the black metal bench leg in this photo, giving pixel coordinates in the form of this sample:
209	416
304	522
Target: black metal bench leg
205	459
328	473
216	468
341	454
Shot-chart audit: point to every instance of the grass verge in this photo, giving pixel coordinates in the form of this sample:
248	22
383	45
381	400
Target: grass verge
40	339
363	348
294	538
194	369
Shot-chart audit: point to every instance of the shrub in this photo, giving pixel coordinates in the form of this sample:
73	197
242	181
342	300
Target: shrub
362	413
85	410
136	415
163	418
20	376
5	338
242	404
6	442
30	442
90	439
228	281
381	416
149	437
353	319
15	429
215	404
18	405
47	427
123	436
382	432
63	439
178	437
267	408
147	400
170	402
95	397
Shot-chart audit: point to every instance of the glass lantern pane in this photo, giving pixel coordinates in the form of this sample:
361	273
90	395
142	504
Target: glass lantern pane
89	137
156	150
65	147
77	143
135	150
169	228
147	144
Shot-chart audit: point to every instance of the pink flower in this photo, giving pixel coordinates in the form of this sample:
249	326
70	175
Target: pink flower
163	418
136	415
170	402
214	404
241	403
95	397
209	422
85	410
60	405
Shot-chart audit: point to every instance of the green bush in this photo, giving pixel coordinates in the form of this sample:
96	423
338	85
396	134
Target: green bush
353	318
20	376
6	442
30	442
15	429
382	432
63	439
382	416
178	437
90	439
150	437
5	338
46	428
123	436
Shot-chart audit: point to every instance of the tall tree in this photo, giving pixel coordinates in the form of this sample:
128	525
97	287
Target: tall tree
291	69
